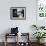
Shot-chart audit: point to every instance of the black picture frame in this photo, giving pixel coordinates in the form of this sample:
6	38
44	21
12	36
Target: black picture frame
18	13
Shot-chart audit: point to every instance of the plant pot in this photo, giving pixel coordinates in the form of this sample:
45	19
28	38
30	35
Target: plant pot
40	40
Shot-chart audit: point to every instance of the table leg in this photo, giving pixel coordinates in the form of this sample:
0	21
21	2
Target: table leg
5	40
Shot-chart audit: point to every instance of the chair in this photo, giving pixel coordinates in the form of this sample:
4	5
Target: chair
26	37
14	32
7	35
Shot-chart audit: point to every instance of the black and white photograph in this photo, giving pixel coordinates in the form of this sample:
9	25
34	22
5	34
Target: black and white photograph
17	13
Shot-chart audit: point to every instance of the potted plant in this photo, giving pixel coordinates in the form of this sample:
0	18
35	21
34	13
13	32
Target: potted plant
39	35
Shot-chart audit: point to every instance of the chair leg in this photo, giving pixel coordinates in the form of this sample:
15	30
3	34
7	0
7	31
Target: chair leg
5	40
5	43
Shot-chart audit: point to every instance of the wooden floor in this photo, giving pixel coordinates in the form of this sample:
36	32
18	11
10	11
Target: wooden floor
13	44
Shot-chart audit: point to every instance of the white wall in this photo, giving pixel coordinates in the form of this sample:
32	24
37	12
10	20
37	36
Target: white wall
24	25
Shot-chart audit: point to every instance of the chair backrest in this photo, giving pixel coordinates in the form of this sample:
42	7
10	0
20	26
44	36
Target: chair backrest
14	30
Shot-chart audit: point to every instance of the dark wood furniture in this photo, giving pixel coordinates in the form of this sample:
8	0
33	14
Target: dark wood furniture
27	43
7	35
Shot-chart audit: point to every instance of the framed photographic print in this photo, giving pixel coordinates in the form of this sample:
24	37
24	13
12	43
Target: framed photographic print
18	13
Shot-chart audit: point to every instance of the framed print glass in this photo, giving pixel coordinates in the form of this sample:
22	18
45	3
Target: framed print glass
18	13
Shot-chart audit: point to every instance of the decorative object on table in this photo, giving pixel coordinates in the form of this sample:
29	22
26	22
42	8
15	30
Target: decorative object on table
18	13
